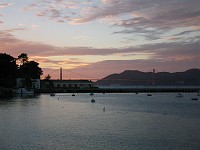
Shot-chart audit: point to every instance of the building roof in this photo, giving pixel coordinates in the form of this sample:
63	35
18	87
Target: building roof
70	81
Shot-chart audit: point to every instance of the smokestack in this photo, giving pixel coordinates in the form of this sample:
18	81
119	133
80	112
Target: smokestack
61	73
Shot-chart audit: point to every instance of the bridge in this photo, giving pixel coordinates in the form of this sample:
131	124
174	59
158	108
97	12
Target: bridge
124	89
62	72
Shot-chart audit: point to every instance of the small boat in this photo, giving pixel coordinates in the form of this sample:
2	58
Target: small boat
52	94
149	94
179	95
91	94
73	94
194	99
92	101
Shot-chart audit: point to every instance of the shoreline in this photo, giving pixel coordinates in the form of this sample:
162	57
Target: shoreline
122	90
8	92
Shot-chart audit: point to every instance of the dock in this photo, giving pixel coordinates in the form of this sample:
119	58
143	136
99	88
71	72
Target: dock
143	89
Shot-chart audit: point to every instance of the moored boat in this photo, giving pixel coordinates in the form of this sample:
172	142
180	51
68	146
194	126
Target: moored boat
52	94
91	94
179	95
194	99
149	94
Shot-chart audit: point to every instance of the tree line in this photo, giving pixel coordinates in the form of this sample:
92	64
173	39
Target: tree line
20	67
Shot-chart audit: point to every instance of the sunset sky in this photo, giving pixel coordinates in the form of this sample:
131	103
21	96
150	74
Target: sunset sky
96	38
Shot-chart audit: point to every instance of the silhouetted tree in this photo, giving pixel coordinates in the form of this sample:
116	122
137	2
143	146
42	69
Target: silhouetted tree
48	77
8	69
30	70
49	81
23	58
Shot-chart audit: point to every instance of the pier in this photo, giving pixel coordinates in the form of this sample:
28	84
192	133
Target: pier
148	89
107	89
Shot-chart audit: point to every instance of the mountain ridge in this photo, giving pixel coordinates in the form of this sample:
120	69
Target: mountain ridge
135	77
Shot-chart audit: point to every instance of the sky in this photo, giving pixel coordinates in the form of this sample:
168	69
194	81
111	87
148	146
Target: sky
96	38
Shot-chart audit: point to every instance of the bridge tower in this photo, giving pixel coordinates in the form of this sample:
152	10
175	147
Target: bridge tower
153	77
61	73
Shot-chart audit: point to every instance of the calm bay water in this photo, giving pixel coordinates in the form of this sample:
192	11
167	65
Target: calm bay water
129	122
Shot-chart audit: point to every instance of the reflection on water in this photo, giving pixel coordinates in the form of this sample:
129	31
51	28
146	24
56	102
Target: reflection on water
130	121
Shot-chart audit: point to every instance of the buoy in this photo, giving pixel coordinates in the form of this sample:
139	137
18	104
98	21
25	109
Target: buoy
92	101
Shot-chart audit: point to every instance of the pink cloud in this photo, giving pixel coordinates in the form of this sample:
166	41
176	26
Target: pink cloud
9	43
2	5
164	56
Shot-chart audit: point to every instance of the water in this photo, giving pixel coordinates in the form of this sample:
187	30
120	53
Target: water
129	122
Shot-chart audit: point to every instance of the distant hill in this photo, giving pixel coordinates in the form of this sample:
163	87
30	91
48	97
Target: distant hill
135	77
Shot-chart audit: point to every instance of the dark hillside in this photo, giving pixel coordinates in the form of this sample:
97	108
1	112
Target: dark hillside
135	77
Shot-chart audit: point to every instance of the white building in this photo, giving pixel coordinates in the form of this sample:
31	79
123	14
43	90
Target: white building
66	84
35	83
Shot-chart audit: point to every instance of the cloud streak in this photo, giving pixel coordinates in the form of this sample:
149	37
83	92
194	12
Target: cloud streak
9	43
154	33
162	55
3	5
150	19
